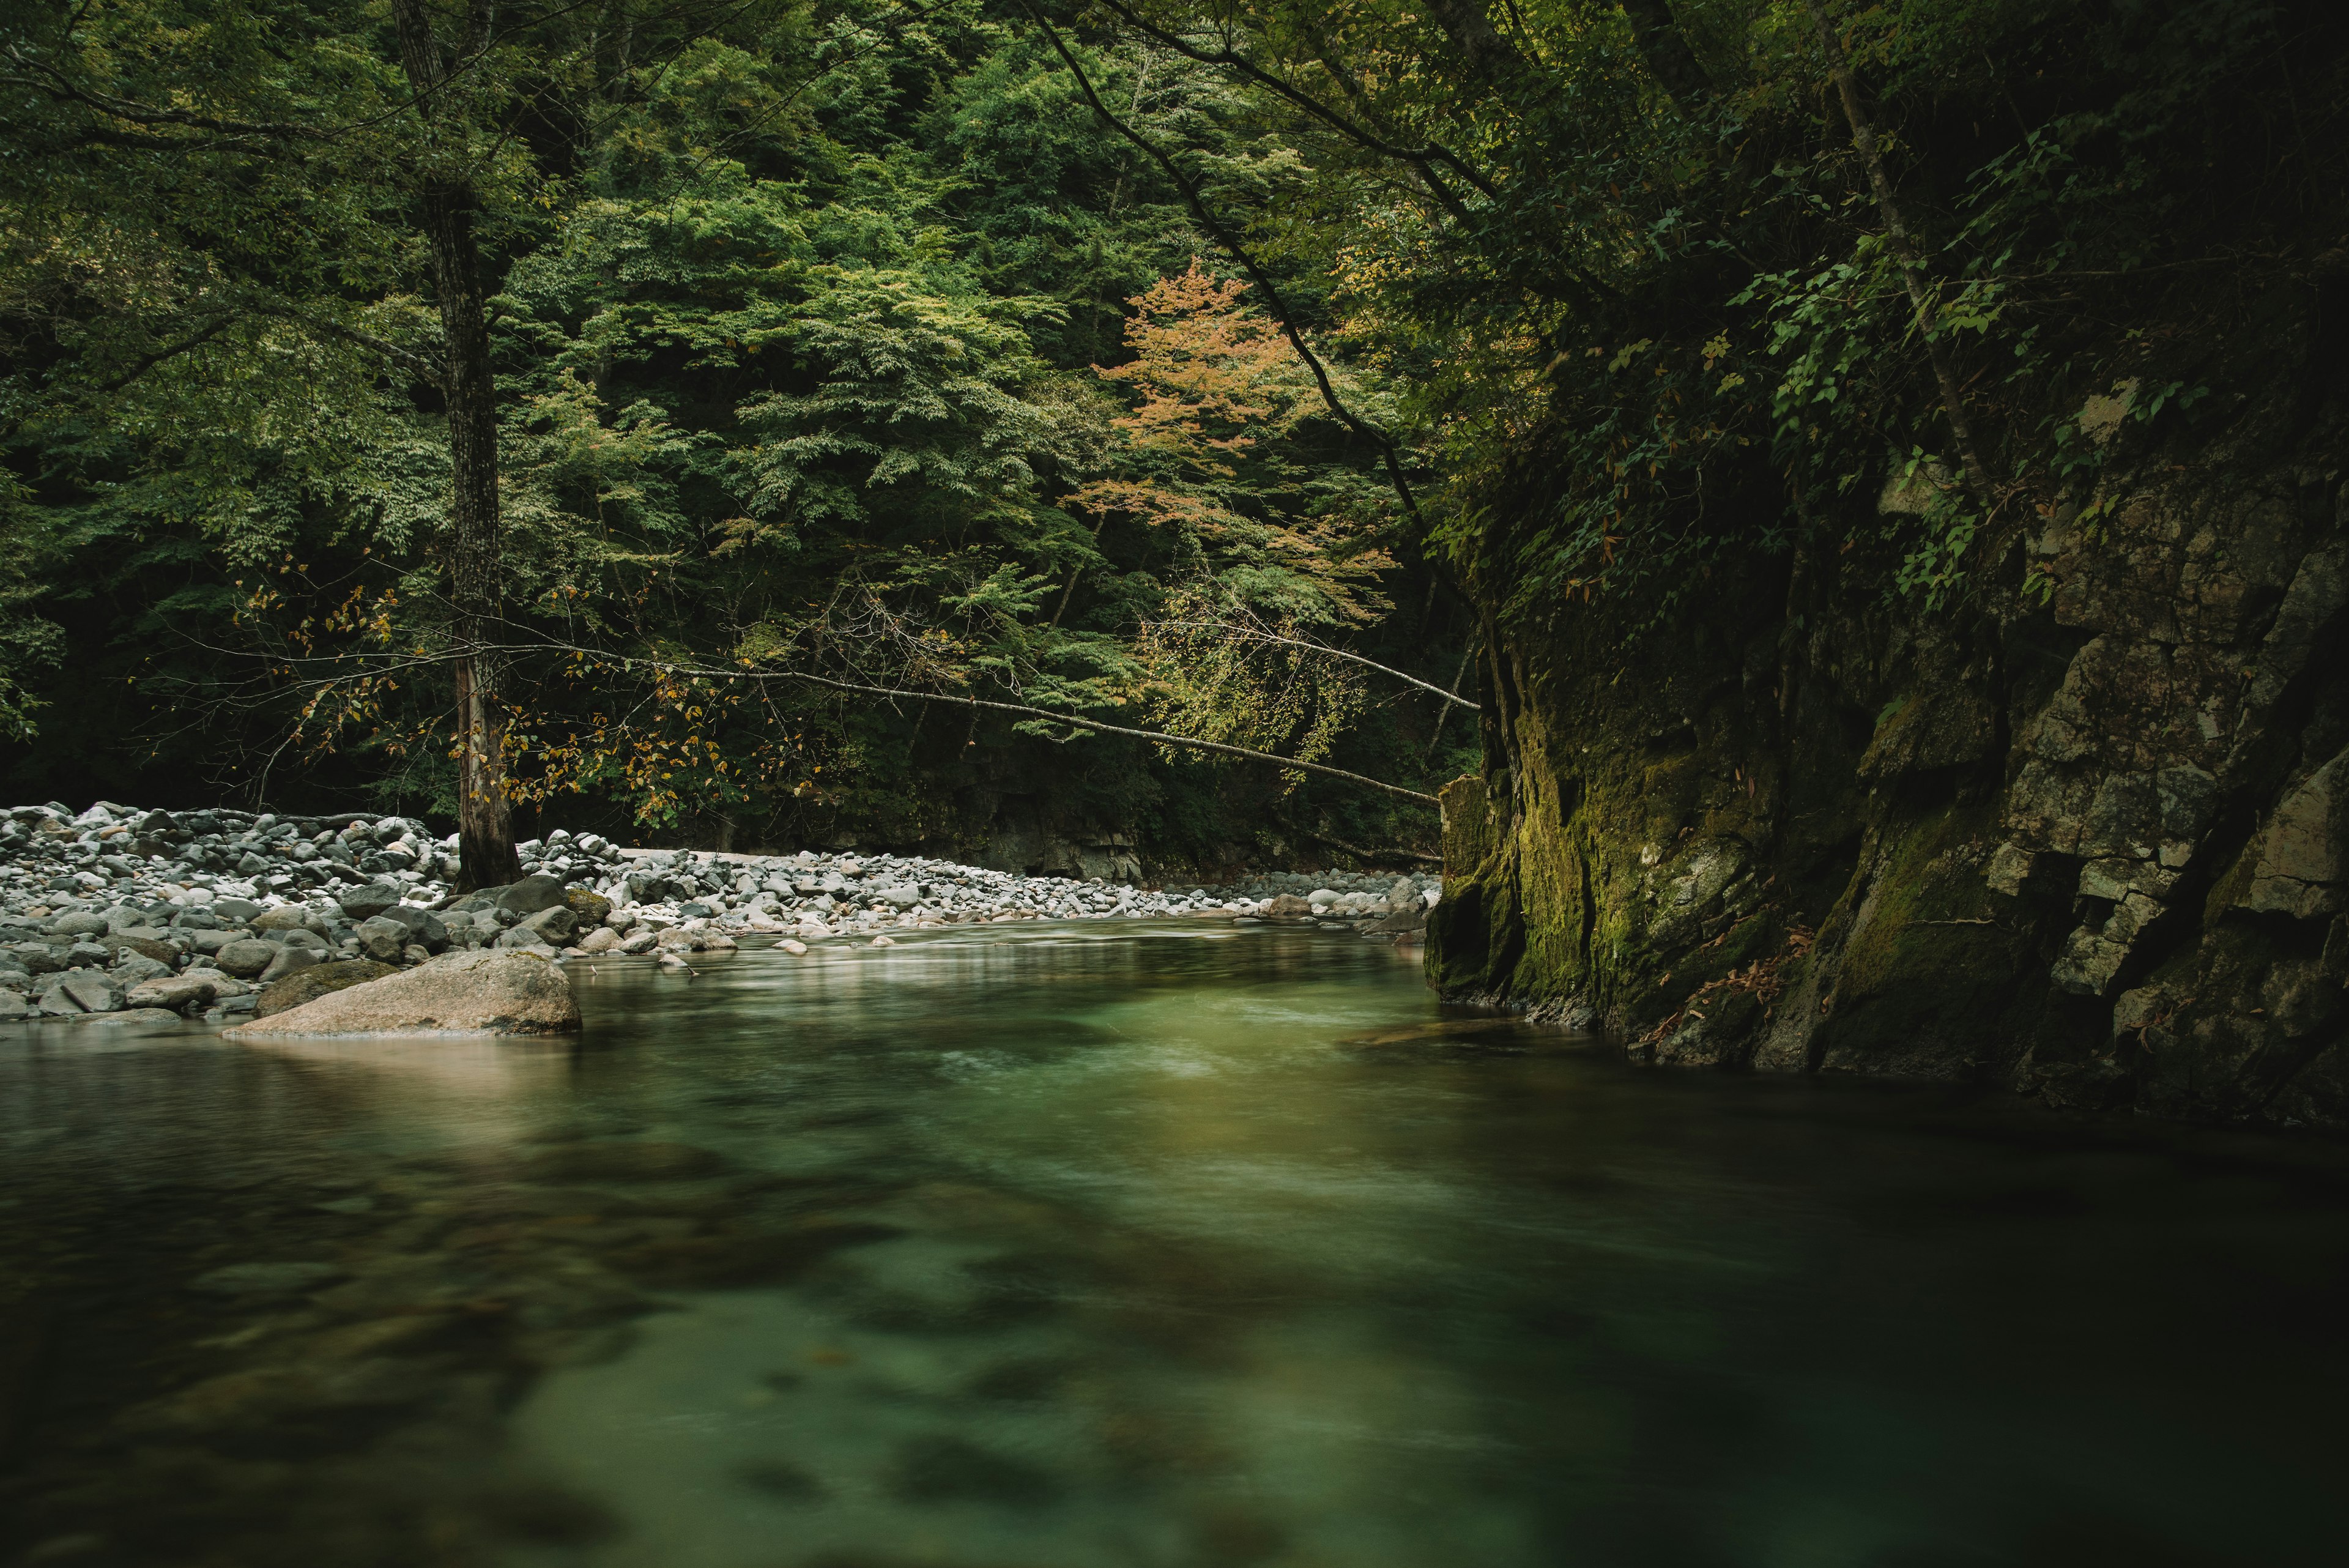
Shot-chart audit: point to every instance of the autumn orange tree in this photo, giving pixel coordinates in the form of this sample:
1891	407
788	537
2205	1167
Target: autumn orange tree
1227	459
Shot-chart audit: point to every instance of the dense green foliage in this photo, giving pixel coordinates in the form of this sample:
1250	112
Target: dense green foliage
849	339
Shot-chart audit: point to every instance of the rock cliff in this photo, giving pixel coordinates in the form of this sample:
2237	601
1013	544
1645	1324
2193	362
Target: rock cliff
2087	833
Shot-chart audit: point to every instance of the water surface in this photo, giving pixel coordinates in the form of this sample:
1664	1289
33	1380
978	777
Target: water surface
1131	1247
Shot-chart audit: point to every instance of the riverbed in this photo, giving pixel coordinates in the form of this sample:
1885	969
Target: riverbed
1146	1245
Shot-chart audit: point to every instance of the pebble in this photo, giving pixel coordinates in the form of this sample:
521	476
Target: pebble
99	904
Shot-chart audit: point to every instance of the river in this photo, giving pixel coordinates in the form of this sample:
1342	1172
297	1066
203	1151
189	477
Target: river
1146	1246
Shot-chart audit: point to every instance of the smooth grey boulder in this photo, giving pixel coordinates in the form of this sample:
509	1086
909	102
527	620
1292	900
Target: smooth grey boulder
289	958
246	956
532	894
176	992
369	901
91	992
485	992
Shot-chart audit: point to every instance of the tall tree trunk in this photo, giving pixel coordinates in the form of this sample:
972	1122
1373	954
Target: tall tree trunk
476	569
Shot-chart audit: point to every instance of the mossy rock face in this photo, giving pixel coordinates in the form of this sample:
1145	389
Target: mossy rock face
309	984
590	907
2088	837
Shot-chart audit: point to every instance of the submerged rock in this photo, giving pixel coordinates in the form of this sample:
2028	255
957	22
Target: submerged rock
487	991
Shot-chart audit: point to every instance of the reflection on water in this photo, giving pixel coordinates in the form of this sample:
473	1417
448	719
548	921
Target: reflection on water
1162	1247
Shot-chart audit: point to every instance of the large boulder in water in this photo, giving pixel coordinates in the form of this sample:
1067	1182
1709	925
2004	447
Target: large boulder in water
487	991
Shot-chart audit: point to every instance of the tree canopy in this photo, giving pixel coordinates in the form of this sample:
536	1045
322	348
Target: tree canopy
1186	367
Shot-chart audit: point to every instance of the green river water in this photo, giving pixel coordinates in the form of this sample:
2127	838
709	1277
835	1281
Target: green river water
1109	1246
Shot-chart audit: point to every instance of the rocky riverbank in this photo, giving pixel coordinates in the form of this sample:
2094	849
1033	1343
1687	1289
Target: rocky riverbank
120	913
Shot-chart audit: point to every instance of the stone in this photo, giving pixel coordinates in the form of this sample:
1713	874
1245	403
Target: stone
80	923
177	992
287	918
553	925
148	944
236	911
901	895
91	992
246	956
309	984
131	969
638	943
2009	866
147	1015
591	907
482	992
532	894
365	903
289	958
382	939
796	948
423	927
884	942
2301	860
602	939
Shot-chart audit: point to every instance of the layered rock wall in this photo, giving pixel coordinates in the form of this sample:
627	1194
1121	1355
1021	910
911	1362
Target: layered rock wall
2088	835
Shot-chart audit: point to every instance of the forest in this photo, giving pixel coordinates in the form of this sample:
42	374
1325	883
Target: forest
795	422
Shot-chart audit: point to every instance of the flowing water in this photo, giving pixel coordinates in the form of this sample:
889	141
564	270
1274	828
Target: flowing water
1131	1247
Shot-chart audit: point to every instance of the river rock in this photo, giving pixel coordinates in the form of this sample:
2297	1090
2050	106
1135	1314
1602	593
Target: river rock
246	956
592	909
532	894
132	968
551	927
423	927
80	923
319	980
289	958
382	939
148	944
149	1015
90	992
602	939
177	992
365	903
483	991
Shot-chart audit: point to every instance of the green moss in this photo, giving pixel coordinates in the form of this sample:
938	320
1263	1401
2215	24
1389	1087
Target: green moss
1936	968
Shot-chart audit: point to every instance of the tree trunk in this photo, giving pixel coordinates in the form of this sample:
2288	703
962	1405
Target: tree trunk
484	817
1663	45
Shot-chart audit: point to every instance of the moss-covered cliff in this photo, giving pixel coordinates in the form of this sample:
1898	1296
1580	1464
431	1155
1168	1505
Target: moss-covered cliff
2087	833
